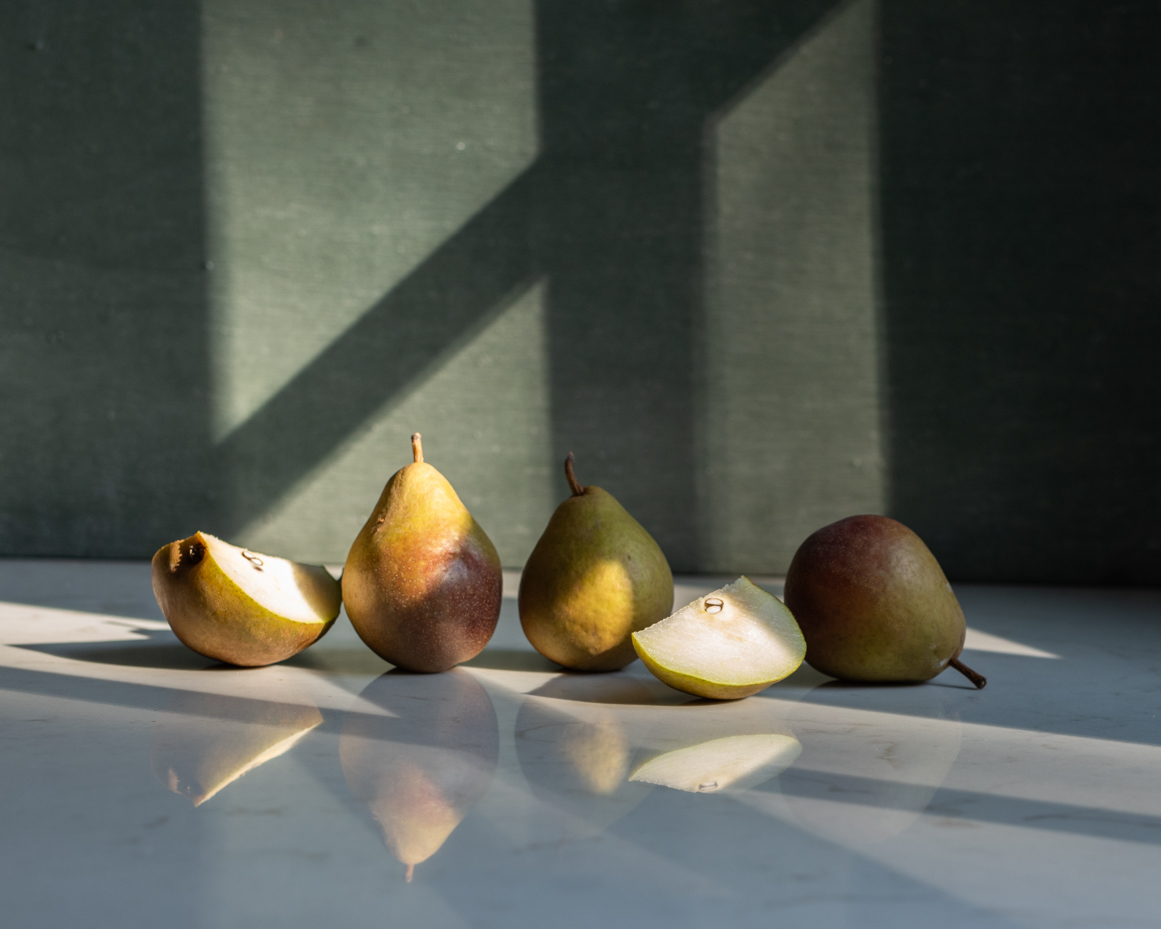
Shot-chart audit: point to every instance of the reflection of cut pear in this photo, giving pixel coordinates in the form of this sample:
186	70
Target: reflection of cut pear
214	740
729	644
422	768
237	606
737	761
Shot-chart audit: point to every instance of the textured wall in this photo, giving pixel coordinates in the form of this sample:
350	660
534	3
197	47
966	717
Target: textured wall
760	265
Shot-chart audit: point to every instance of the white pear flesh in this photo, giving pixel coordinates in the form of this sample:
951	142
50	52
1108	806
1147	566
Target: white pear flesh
734	762
239	606
729	644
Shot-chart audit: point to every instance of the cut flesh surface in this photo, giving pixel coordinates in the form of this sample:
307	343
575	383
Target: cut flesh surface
737	761
728	644
293	591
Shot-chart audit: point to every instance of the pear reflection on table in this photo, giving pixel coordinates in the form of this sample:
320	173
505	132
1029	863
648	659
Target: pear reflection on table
731	763
576	756
420	751
206	741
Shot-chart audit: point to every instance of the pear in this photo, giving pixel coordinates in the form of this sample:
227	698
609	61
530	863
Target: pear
208	741
729	644
874	604
422	584
735	762
420	751
595	577
240	607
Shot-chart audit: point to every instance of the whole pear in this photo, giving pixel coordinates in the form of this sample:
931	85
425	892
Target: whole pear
874	605
422	584
595	577
238	606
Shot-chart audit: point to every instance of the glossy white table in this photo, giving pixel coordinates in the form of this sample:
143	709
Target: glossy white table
1036	802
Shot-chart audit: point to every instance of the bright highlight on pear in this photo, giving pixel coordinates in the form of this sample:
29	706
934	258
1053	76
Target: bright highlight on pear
422	584
726	645
734	762
240	607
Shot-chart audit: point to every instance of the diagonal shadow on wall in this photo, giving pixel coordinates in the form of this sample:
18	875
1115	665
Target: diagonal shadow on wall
613	213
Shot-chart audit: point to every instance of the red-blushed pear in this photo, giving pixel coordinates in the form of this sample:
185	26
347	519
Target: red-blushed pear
874	604
595	577
422	584
240	607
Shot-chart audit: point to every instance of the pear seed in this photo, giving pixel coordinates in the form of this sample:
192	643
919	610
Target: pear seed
713	605
707	786
252	558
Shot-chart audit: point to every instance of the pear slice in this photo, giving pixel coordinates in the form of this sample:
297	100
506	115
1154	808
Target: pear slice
726	645
240	607
736	761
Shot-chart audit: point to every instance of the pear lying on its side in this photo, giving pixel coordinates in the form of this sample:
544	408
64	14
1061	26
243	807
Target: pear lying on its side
595	577
726	645
240	607
423	584
874	604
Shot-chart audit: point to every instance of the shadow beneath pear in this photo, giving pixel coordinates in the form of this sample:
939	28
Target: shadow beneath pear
159	648
511	659
614	689
420	750
205	742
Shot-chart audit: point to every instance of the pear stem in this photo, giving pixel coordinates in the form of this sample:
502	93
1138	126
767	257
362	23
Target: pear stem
570	474
978	679
417	447
410	868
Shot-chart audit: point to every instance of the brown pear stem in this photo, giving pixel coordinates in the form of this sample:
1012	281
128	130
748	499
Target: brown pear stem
417	451
978	679
410	868
570	474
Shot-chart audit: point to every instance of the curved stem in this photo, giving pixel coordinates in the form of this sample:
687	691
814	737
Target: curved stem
978	679
570	474
407	874
417	447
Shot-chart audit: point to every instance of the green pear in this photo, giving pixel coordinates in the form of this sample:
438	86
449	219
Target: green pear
422	584
729	644
240	607
595	577
420	751
874	604
207	741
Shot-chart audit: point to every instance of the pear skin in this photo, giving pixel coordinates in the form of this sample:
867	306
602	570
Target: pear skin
422	583
874	604
595	577
420	751
240	607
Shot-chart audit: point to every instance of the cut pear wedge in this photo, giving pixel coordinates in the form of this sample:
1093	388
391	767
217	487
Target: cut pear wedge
735	762
241	607
726	645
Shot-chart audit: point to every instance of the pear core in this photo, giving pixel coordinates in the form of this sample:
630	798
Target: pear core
729	644
238	606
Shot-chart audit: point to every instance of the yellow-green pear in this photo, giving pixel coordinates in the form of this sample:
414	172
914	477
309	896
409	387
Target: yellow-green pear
595	577
207	741
420	751
874	604
422	584
726	645
241	607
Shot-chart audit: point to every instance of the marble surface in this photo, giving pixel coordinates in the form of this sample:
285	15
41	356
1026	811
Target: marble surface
143	786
